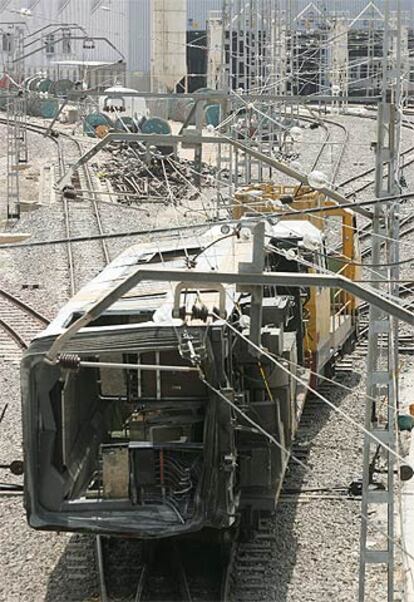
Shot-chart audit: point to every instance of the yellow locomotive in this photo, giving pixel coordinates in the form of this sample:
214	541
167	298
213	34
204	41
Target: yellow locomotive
331	315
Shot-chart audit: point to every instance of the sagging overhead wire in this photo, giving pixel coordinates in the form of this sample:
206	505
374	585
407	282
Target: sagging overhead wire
325	270
310	469
344	415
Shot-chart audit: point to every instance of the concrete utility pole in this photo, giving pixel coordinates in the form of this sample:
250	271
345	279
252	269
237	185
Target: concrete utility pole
382	385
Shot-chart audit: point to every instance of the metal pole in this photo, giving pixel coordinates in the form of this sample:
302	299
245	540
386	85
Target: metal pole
382	375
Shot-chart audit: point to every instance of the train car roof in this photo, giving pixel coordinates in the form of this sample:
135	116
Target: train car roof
215	250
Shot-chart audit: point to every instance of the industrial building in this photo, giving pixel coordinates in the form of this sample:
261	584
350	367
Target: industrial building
127	23
137	43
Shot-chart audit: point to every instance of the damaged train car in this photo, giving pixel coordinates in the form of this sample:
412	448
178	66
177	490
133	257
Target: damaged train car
142	422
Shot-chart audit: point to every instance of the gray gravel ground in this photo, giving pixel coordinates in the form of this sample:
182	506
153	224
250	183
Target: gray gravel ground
317	542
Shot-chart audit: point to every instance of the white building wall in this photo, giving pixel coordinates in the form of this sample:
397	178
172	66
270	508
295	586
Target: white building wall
127	24
139	45
113	24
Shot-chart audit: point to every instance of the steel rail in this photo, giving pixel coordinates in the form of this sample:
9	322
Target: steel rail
407	125
17	338
325	120
95	206
43	130
66	208
26	309
24	306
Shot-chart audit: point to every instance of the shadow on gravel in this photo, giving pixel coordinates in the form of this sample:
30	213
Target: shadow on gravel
74	577
315	415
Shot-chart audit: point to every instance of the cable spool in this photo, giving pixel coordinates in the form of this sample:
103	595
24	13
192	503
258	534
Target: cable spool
126	124
61	87
156	125
184	107
32	103
28	81
48	108
204	91
179	109
44	85
213	115
33	83
93	121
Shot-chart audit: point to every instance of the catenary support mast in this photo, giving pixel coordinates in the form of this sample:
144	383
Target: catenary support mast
382	377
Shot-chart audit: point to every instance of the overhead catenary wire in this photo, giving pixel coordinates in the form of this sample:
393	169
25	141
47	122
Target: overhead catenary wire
308	469
349	419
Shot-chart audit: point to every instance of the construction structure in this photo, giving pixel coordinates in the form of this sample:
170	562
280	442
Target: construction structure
314	50
312	47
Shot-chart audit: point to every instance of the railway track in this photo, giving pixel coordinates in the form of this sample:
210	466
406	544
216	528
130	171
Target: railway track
81	218
19	324
252	574
162	571
324	122
407	156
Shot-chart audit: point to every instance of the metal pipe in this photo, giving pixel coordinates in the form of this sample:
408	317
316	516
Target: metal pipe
146	367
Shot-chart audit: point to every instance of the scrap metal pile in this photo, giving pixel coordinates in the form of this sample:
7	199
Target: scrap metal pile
139	174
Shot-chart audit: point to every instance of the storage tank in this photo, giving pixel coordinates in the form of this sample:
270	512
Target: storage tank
44	85
126	124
